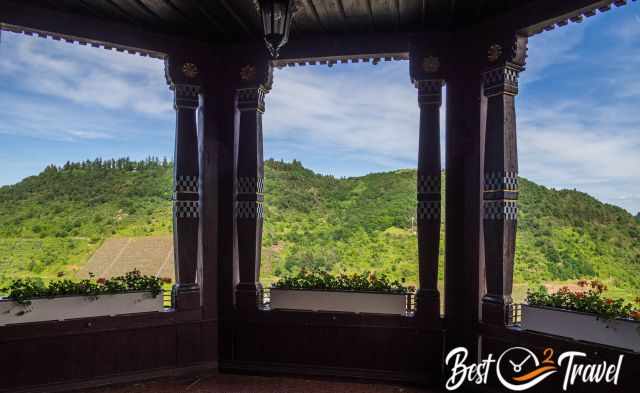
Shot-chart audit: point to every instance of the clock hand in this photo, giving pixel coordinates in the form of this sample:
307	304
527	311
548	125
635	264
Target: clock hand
513	364
525	360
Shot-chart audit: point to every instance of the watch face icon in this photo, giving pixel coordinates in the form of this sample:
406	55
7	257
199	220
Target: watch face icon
519	369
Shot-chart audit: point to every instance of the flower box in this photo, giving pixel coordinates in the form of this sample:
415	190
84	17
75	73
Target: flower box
581	326
71	307
345	301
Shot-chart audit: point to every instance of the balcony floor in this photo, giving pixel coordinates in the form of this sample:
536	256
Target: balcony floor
224	383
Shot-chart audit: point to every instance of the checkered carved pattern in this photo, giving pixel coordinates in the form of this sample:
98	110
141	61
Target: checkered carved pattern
428	184
430	86
501	80
429	210
186	96
187	209
429	91
249	210
501	210
250	185
187	184
501	181
251	99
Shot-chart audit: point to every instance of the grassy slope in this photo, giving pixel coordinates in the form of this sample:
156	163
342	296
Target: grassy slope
54	221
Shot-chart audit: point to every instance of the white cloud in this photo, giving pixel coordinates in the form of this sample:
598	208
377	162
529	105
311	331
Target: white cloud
581	144
86	75
354	110
586	137
551	48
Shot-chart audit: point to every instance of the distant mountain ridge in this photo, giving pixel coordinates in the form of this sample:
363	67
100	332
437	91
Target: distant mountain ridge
56	220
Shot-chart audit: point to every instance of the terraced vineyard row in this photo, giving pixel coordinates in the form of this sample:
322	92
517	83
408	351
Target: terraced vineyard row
152	255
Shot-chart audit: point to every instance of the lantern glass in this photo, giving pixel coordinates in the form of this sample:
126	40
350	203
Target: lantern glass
276	18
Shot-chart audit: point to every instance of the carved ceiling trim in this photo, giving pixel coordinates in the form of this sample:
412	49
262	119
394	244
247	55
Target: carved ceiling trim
331	60
82	41
580	15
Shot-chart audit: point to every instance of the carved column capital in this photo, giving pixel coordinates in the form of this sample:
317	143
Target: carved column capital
506	58
429	91
185	96
502	80
251	98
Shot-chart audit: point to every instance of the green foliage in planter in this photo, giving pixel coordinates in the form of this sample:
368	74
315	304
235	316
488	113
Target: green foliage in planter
364	282
590	300
23	290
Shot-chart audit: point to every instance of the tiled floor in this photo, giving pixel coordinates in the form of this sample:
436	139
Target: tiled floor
221	383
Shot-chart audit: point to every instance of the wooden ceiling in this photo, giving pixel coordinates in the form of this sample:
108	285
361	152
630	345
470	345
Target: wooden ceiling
238	20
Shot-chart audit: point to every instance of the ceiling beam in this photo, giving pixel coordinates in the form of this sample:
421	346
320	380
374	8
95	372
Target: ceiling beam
86	30
343	15
310	9
237	17
354	45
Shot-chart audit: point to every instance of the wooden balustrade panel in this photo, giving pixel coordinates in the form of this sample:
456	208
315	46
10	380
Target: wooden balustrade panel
85	354
316	343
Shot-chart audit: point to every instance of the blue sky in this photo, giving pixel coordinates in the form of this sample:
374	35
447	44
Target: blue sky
578	110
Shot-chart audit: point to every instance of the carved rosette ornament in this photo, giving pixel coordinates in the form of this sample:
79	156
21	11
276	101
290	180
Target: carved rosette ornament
500	196
190	70
248	73
431	64
494	53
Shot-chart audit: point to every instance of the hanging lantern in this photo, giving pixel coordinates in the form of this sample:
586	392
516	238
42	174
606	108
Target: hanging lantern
276	20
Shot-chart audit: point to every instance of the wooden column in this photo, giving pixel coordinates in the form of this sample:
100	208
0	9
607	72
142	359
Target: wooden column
184	80
255	82
426	66
428	197
463	174
500	207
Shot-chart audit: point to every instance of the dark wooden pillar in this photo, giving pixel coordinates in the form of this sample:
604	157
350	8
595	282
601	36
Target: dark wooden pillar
426	74
463	176
500	208
184	79
428	214
255	82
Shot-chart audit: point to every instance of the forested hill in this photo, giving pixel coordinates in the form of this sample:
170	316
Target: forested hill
54	221
366	223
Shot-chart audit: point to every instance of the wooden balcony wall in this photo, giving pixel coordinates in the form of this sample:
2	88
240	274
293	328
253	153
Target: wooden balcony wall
217	334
